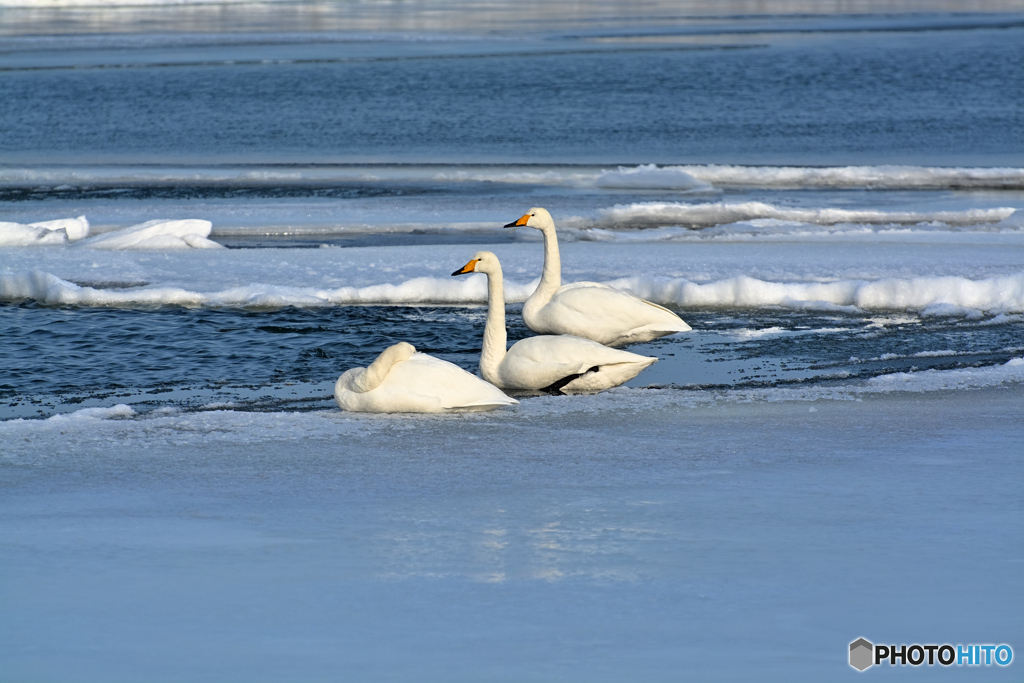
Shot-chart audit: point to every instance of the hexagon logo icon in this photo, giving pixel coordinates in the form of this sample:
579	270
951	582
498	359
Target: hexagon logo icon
862	654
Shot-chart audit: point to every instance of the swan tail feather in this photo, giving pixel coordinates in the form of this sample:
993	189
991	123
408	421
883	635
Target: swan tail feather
681	326
662	308
649	332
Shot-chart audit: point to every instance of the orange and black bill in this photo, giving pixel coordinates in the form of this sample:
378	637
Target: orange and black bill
468	268
520	222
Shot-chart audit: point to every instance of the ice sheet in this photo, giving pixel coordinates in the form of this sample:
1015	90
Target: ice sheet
875	177
719	213
979	272
157	235
74	228
659	538
651	176
692	177
935	296
19	235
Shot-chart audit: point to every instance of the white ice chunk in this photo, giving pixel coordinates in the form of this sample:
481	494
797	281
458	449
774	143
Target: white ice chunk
646	175
876	177
114	412
997	294
19	235
157	234
1014	220
201	242
76	228
651	176
48	288
943	380
932	295
720	213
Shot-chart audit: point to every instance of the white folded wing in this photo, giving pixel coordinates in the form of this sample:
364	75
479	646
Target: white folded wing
536	363
604	314
402	380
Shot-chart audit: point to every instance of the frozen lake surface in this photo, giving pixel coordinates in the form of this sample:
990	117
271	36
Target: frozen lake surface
634	534
207	213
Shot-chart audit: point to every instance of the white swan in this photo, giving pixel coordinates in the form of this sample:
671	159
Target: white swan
588	309
401	380
556	364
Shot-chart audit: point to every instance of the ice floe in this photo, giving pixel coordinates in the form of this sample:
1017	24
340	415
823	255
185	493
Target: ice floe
119	411
703	215
59	231
928	295
154	234
50	289
75	228
941	380
157	234
644	176
873	177
20	235
999	294
652	177
1014	220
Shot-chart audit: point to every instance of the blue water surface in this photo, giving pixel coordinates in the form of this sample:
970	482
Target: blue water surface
950	97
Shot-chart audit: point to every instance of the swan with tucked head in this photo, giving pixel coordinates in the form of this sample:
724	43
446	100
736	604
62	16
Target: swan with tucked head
588	309
402	380
552	363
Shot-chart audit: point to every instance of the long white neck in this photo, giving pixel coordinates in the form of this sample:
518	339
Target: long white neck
551	278
495	336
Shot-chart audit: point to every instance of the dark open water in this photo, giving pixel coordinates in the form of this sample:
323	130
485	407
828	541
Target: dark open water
913	97
60	359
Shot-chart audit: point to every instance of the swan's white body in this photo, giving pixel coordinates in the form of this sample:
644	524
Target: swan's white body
401	380
588	309
558	364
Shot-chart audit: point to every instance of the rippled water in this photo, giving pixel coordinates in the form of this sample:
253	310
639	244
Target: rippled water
62	359
800	98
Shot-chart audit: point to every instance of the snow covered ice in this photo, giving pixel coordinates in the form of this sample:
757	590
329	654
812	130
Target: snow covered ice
974	271
596	538
157	234
60	231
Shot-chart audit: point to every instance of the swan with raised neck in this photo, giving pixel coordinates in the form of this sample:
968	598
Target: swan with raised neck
588	309
551	363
